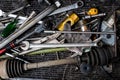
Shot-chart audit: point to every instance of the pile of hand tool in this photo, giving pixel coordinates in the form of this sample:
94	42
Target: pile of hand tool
90	35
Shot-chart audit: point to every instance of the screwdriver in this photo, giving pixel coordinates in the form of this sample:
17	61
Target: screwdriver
10	28
11	45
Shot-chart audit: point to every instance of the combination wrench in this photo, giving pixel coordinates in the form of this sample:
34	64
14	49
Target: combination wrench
76	5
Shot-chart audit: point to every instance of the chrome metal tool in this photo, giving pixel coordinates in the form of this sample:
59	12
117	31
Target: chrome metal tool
76	5
26	45
50	45
32	22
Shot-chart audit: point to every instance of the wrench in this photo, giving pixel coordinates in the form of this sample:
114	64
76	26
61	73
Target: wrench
28	45
35	49
60	10
67	8
39	41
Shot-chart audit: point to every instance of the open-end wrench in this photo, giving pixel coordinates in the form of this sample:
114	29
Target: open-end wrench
35	49
67	8
26	44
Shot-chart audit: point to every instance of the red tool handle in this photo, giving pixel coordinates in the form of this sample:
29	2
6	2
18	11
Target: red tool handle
8	47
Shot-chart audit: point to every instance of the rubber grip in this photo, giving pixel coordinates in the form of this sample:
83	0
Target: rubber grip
2	51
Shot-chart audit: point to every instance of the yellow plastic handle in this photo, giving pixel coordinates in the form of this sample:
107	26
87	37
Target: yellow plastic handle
72	19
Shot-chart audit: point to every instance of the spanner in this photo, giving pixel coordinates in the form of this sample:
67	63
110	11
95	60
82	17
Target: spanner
35	49
60	10
67	8
50	45
26	45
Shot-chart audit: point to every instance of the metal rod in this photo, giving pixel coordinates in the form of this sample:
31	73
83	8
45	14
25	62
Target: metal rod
76	32
50	63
